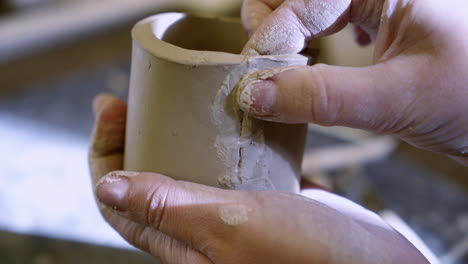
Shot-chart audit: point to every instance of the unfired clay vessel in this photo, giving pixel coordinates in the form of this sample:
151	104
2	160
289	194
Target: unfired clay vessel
183	119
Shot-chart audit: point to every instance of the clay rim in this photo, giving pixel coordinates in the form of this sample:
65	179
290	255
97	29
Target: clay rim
145	34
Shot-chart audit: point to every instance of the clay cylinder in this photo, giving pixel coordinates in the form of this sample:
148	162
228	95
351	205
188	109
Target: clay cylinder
183	119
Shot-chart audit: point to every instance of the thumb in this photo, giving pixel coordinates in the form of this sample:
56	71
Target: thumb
372	98
240	227
168	206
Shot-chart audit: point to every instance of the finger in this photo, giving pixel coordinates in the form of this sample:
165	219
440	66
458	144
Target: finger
254	12
148	239
107	140
287	29
372	98
106	155
168	205
237	227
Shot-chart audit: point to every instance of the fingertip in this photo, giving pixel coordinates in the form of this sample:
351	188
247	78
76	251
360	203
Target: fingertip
104	102
109	126
99	102
109	108
112	189
259	94
258	98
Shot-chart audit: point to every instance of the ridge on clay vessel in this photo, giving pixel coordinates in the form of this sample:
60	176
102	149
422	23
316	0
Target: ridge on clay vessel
183	120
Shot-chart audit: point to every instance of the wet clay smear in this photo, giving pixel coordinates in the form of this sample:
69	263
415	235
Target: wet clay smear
240	141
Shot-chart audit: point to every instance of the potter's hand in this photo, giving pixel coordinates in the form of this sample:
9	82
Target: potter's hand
182	222
417	88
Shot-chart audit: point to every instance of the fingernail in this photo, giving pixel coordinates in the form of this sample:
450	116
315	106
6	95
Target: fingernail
112	189
258	98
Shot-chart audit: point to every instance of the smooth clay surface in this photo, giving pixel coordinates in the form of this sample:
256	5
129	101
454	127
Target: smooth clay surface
183	118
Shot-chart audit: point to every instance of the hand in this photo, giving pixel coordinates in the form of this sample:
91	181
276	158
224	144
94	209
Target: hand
416	89
182	222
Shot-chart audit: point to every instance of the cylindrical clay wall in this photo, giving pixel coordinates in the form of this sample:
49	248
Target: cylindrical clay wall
183	120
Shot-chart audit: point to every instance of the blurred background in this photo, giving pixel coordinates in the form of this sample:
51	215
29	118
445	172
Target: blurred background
56	55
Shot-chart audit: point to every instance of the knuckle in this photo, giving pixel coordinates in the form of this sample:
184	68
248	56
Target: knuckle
324	104
156	205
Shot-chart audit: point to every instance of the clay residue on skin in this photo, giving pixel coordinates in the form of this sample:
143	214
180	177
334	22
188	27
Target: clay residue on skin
113	177
108	179
290	27
235	214
246	99
321	15
276	38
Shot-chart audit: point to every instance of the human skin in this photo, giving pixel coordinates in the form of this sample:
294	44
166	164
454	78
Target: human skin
182	222
416	88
